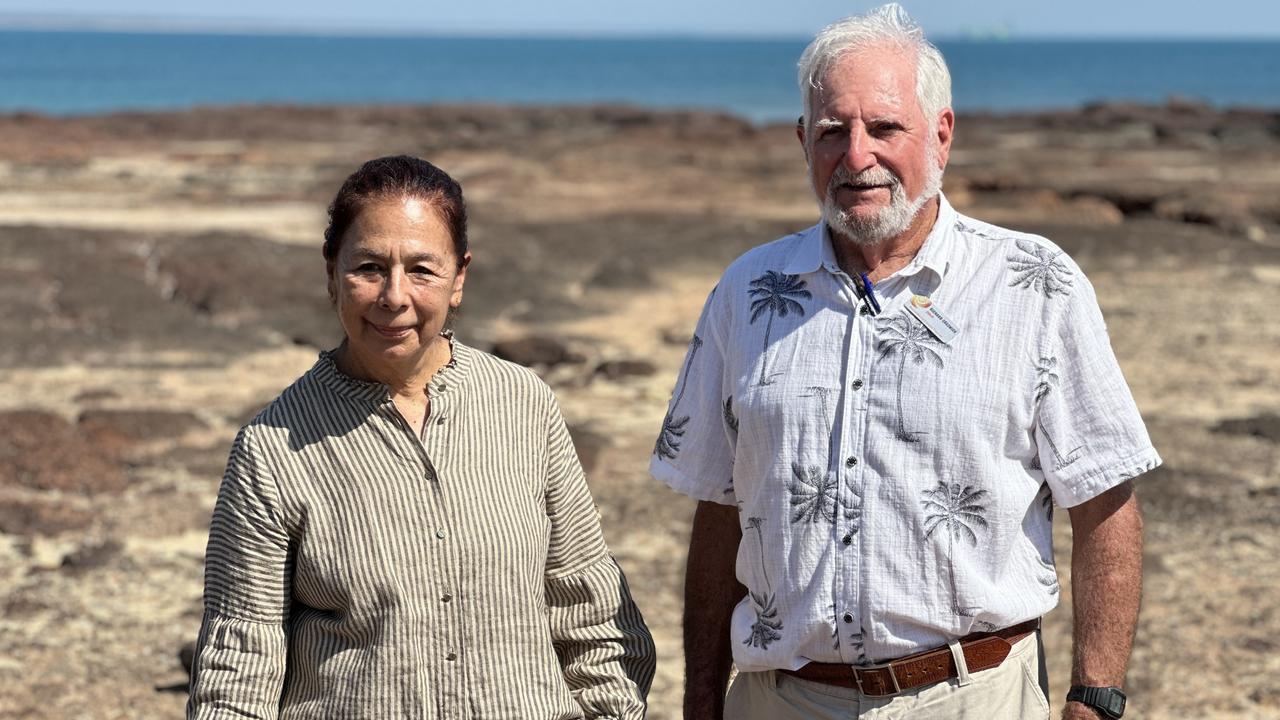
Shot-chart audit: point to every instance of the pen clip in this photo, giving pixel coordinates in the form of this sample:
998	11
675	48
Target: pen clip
869	294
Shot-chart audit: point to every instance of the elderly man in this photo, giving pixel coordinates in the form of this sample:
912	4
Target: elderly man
878	415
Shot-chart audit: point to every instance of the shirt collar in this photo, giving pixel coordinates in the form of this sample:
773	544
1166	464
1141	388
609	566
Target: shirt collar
813	248
448	379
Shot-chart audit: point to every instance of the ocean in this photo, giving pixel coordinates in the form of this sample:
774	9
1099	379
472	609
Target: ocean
91	72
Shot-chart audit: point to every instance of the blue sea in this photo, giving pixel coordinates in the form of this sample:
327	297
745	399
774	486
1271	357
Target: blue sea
91	72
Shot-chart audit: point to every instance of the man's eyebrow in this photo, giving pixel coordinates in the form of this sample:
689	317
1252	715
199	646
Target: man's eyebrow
828	123
409	259
421	257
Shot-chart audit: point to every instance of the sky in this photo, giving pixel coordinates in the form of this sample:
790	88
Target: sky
775	18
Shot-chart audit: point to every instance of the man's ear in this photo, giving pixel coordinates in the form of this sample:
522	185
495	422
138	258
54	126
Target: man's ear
800	137
946	131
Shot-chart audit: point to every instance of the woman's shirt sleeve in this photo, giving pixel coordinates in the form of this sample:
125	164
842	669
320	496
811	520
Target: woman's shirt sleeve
239	664
605	650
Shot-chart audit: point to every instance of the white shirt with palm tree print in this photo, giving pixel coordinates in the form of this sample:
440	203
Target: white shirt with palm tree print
896	491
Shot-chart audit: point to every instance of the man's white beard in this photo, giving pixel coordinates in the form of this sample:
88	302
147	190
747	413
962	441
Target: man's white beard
890	221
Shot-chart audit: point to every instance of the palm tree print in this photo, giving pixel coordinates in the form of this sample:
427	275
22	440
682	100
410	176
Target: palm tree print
959	509
855	639
1048	577
1046	502
729	418
1038	268
813	494
1046	381
823	394
673	428
852	508
756	523
767	627
974	231
906	337
774	293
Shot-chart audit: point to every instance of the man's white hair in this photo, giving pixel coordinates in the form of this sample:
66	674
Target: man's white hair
886	25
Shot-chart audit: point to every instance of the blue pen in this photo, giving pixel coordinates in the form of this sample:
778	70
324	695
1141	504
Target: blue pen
871	294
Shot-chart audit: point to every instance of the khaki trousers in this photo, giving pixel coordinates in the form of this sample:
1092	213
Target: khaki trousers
1010	691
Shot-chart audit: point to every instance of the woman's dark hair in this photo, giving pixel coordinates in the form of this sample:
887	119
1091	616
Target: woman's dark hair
397	176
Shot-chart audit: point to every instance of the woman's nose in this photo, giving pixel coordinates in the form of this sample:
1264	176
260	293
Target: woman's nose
393	294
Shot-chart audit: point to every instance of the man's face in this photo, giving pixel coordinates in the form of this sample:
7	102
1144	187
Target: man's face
874	159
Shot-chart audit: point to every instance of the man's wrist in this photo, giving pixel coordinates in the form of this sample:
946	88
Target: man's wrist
1079	711
1103	702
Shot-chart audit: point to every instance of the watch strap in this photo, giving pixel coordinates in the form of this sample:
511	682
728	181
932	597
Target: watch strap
1109	702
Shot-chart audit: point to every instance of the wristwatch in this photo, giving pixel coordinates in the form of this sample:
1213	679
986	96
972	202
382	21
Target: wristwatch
1107	701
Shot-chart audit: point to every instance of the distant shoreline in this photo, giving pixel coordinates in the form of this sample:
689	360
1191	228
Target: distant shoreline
1110	108
71	73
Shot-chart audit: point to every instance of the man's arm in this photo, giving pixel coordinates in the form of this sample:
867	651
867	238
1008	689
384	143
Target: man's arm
1106	586
711	590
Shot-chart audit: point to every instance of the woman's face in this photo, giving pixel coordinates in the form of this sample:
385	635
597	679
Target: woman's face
394	280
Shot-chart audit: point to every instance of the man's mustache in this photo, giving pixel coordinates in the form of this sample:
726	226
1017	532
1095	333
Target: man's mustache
871	177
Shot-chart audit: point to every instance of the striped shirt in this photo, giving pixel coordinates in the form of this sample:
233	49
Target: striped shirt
356	570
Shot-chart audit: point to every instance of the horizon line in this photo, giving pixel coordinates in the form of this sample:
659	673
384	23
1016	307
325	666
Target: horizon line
176	25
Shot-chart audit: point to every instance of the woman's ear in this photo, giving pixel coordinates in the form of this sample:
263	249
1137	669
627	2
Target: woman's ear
456	299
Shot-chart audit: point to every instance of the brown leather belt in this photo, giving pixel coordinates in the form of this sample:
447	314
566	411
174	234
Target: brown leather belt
981	651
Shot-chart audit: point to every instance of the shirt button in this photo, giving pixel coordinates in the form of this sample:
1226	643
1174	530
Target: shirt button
440	534
851	461
857	384
440	386
451	656
440	421
446	597
848	617
848	539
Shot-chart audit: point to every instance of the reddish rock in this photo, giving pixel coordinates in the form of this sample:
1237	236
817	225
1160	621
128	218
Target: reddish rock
42	451
535	351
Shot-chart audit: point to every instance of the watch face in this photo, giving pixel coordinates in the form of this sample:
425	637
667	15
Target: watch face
1115	704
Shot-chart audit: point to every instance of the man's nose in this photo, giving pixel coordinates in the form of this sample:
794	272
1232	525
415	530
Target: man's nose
859	155
393	291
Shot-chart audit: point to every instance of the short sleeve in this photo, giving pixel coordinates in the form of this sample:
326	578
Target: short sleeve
695	447
1089	433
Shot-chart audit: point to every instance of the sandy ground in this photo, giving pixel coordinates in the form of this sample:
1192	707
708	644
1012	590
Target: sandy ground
161	280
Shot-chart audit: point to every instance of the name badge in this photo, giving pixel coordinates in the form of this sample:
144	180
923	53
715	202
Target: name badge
932	318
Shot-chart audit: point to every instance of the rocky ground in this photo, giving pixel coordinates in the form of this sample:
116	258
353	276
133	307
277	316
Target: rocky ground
160	280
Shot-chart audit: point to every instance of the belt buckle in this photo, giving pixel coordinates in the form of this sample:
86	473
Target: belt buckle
857	678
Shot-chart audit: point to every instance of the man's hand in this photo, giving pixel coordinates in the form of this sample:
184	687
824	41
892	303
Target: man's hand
711	590
1106	587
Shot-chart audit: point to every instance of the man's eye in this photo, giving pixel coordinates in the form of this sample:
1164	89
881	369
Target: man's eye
421	270
368	267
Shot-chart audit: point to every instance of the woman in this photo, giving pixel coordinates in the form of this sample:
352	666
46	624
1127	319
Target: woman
406	532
